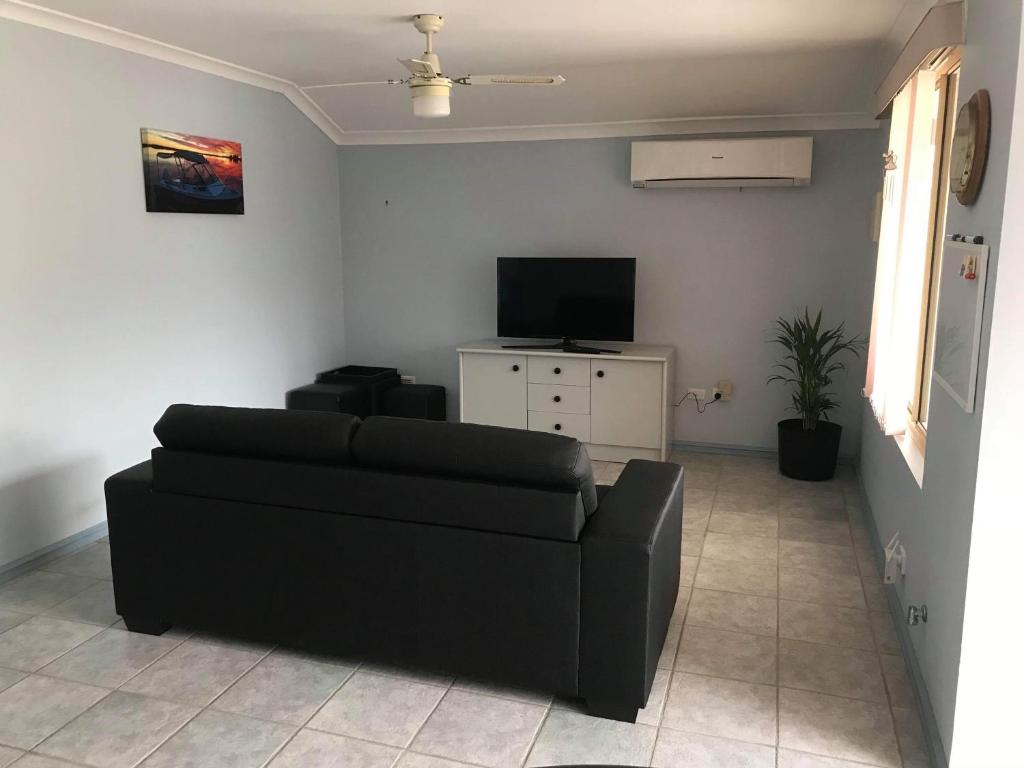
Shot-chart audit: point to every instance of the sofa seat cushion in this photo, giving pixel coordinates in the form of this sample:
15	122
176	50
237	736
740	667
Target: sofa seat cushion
477	452
536	512
264	433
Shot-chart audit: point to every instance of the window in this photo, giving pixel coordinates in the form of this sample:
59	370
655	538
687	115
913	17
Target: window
911	234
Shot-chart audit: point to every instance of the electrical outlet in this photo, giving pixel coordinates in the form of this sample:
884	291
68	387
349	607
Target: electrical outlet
700	394
408	379
724	388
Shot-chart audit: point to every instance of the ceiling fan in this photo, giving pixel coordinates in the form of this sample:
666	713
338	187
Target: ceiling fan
430	87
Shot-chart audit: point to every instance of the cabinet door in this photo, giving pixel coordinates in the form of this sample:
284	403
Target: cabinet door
626	403
494	389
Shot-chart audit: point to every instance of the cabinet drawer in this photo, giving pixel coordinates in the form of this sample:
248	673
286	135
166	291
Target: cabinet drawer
570	424
545	369
556	398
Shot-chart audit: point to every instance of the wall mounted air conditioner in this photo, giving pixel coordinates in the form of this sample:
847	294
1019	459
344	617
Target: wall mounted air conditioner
779	162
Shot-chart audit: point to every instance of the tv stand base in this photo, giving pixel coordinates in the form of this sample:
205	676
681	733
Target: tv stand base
565	345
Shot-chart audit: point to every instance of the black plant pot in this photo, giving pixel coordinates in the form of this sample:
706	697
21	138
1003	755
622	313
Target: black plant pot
808	454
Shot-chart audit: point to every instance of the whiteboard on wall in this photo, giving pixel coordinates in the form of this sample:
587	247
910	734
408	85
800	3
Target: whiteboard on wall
958	324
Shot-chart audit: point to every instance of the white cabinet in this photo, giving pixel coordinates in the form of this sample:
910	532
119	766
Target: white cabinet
494	389
618	404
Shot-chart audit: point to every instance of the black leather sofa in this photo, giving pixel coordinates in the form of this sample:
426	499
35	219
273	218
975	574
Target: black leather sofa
481	551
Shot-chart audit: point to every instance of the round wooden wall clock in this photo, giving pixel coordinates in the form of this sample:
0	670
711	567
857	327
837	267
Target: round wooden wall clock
970	149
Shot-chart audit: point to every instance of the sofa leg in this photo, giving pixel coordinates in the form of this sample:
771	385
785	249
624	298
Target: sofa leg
145	626
611	710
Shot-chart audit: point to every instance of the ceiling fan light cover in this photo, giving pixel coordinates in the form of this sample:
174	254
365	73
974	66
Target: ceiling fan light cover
432	100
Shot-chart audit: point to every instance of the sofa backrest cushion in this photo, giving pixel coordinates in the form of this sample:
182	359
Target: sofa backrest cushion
264	433
477	452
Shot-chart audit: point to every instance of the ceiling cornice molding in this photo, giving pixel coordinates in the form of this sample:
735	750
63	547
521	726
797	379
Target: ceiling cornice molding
672	126
27	13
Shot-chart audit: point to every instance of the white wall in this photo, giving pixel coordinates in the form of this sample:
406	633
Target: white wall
935	522
423	225
110	313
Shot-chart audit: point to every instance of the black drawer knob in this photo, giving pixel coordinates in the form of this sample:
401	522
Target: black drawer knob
558	426
557	398
558	370
600	374
515	367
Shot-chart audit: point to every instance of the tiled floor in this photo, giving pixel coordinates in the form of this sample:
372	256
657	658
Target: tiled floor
780	656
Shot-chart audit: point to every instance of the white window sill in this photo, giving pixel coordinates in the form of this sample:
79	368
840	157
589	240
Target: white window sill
913	456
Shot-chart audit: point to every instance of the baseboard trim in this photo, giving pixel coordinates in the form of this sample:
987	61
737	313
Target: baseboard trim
936	752
50	553
728	449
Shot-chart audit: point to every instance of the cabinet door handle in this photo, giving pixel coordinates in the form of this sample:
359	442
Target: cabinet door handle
557	398
558	370
558	426
515	367
600	374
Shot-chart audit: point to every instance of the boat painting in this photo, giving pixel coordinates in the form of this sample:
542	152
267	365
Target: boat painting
184	173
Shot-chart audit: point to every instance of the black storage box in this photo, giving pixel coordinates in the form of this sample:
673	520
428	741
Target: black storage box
337	398
415	401
371	377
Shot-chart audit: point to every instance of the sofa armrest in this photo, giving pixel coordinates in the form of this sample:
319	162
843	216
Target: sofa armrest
631	558
133	545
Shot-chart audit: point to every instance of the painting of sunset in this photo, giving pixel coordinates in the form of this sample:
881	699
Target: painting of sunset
184	173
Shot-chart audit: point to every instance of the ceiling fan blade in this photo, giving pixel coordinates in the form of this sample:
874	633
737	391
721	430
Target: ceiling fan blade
510	80
419	67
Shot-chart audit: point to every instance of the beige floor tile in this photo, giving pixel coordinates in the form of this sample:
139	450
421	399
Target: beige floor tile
313	749
886	639
801	509
829	669
8	756
40	640
682	603
790	759
193	673
717	707
693	542
423	676
118	732
651	714
749	578
831	589
568	738
746	503
668	650
9	677
824	558
92	561
696	460
724	546
733	612
388	710
748	485
513	693
875	594
913	745
687	570
416	760
750	658
897	681
221	740
94	606
817	531
700	478
478	729
766	526
10	619
36	591
41	761
110	658
835	727
39	706
675	749
845	627
283	688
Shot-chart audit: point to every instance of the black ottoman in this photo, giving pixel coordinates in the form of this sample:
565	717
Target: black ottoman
414	401
338	398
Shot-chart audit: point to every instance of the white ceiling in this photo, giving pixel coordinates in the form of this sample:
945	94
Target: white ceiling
624	63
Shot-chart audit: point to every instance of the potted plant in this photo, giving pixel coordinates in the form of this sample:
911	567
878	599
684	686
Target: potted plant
809	444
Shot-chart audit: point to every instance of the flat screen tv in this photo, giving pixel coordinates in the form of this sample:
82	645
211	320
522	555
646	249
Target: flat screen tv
566	298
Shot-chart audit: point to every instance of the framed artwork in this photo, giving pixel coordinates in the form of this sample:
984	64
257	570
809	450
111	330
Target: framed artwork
185	173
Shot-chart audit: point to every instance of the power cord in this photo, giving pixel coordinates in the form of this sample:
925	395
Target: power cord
700	408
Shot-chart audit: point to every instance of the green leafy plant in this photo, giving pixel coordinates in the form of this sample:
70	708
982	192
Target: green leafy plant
810	362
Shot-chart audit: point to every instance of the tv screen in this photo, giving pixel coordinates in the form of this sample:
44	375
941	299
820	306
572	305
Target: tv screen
562	298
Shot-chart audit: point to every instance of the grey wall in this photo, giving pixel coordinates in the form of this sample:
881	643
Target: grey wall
423	225
111	313
935	521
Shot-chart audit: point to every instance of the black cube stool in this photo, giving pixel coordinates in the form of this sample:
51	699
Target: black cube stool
337	398
414	401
